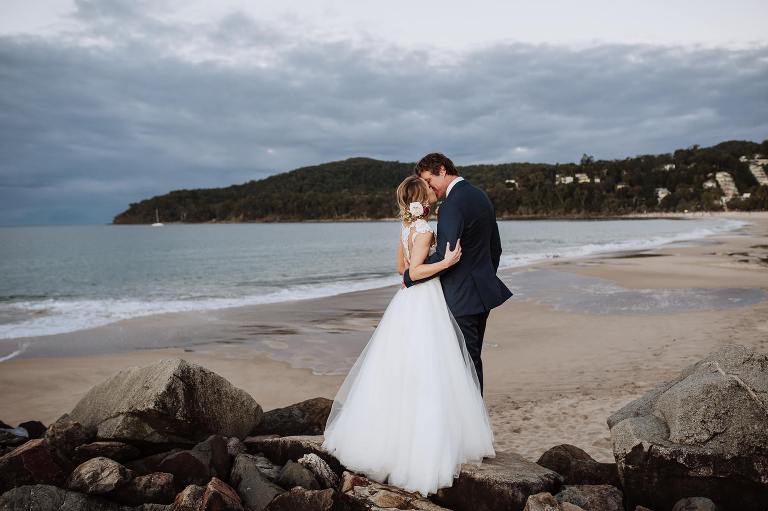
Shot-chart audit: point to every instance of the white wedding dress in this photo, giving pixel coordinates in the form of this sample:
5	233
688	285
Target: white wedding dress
410	412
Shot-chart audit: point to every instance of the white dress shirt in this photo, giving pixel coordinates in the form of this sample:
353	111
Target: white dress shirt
459	178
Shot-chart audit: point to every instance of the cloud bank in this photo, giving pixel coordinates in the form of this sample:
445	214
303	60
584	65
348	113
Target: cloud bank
124	105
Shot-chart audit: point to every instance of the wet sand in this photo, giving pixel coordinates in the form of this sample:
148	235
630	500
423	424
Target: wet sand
579	339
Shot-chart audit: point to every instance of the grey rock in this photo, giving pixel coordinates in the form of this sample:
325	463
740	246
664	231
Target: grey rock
598	497
578	467
503	482
544	501
235	446
254	488
171	401
43	497
98	476
281	449
36	429
694	504
304	418
702	433
360	493
118	451
321	470
294	474
306	500
65	435
155	488
188	467
219	459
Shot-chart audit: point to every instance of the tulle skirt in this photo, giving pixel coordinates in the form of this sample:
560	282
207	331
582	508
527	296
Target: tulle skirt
410	412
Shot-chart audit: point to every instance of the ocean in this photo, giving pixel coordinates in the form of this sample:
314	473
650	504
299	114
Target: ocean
58	279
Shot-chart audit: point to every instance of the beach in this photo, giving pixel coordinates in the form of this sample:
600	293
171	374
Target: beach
581	338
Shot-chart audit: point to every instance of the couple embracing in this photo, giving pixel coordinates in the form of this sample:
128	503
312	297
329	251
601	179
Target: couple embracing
410	411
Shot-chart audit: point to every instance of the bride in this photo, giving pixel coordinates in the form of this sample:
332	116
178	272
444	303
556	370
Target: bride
410	411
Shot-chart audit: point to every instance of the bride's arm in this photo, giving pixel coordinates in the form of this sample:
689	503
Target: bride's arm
418	269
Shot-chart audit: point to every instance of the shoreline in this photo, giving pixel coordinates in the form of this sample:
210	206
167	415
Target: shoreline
552	373
330	289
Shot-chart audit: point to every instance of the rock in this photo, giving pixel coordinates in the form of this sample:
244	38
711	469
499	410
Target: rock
219	460
188	467
154	507
31	463
98	476
578	467
304	418
266	467
235	446
601	497
169	402
294	474
544	501
13	437
36	429
306	500
219	496
65	435
694	504
322	472
281	449
189	499
118	451
642	508
42	497
360	493
155	488
254	488
702	433
151	463
503	482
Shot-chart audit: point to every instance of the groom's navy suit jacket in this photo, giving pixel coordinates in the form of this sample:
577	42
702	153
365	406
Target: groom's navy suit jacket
471	285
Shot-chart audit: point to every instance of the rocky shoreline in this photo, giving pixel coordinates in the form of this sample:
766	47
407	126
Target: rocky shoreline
175	436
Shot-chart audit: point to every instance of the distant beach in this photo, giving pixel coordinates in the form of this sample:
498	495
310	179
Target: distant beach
587	331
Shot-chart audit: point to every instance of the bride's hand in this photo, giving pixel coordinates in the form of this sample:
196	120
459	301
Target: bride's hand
452	257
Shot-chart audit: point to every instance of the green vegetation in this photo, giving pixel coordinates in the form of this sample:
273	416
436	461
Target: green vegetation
363	188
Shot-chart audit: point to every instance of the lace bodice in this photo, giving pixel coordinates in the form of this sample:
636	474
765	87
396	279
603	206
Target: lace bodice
416	227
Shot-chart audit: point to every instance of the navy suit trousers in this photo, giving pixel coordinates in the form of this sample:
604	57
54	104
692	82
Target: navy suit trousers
473	328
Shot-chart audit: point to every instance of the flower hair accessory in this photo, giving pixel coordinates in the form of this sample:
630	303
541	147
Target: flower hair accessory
416	210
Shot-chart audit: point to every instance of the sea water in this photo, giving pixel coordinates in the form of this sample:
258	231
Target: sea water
57	279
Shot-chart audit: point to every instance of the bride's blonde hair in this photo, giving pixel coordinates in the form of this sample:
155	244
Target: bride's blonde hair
412	189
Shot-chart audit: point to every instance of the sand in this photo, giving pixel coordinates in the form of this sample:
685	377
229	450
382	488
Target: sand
554	367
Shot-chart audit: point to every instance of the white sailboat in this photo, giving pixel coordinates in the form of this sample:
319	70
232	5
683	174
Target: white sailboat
157	220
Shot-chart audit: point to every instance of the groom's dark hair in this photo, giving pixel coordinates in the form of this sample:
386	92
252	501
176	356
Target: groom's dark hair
432	162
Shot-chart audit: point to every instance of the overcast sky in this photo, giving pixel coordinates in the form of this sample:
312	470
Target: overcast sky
108	102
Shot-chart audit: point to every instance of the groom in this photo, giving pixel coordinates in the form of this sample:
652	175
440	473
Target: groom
471	287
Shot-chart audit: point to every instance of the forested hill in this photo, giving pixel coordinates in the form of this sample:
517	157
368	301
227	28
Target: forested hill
693	179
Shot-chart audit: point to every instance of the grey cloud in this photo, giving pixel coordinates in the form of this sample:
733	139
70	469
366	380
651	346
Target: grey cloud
130	106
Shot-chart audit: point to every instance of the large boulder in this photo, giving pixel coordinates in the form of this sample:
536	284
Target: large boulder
304	418
169	402
503	482
703	433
